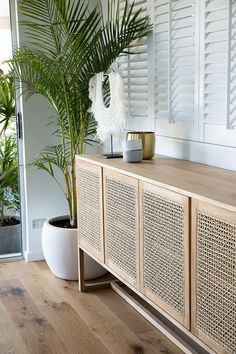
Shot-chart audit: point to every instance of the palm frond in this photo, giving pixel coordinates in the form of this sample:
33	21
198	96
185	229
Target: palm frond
7	102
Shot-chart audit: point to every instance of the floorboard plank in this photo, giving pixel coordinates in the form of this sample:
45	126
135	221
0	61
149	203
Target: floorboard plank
142	329
73	331
113	331
48	315
36	332
10	340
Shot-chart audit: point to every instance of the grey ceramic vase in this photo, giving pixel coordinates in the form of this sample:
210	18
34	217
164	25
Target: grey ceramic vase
10	239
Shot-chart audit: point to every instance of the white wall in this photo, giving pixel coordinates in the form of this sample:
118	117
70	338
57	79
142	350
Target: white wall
5	34
41	197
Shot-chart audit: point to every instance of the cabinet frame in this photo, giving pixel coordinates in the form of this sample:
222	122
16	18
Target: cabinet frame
184	320
216	211
206	188
132	182
83	243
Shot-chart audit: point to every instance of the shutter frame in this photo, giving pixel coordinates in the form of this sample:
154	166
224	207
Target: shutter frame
134	71
176	45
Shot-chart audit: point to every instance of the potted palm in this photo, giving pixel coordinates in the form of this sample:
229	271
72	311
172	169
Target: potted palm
10	240
68	42
9	197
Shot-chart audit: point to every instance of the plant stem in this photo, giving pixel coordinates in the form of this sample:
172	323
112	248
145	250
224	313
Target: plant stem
72	184
73	220
68	191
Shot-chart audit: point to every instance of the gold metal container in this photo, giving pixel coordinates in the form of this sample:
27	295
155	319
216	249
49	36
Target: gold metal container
148	142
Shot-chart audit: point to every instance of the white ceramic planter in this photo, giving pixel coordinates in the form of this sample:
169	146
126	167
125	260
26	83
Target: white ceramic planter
60	248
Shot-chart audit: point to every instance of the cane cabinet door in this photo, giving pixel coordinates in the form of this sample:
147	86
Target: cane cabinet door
214	276
165	250
90	208
121	222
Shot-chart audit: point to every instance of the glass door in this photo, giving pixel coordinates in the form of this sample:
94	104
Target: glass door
10	220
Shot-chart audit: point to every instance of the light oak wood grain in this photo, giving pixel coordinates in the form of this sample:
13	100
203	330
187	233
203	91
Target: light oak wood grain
191	179
189	184
44	314
134	184
218	213
71	328
141	329
10	339
184	202
34	329
98	171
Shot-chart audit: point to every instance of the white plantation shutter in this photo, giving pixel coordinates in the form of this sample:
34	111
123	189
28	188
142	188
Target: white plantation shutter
176	67
134	71
185	80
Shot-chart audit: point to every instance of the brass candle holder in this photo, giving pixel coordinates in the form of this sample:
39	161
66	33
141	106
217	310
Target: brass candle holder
148	142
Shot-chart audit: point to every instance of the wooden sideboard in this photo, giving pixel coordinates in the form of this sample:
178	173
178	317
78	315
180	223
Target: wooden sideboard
167	229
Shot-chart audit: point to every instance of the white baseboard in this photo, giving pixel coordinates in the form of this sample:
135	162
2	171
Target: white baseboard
31	256
209	154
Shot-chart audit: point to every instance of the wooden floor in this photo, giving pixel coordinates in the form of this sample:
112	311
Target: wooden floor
40	313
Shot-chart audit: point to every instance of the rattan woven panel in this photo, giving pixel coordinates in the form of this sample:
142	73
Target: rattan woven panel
121	226
89	204
216	279
164	249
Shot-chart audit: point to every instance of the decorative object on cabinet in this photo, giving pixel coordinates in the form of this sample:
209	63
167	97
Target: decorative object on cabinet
71	29
135	144
110	118
148	142
170	236
132	150
133	155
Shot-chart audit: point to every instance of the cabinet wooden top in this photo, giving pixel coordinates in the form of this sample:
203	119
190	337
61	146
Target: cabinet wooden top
185	177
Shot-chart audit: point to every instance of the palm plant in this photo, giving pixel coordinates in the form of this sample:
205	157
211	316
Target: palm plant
7	101
67	45
9	190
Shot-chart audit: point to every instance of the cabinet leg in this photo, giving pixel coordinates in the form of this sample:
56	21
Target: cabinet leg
81	270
